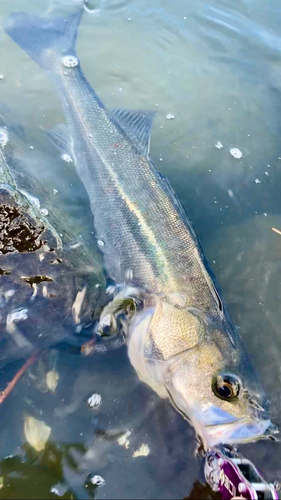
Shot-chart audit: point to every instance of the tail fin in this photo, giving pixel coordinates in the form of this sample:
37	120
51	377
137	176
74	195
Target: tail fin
36	34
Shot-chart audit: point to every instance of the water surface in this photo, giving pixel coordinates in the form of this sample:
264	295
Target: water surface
215	67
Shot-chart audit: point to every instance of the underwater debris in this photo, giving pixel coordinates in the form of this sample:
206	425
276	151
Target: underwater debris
143	451
88	347
52	380
19	374
35	280
36	432
124	441
4	272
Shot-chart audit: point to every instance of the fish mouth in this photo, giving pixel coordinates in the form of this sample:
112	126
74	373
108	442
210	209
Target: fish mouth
238	432
216	427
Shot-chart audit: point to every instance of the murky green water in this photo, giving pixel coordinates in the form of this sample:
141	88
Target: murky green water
216	68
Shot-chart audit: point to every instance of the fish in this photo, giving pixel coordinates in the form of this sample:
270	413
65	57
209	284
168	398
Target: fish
41	275
165	299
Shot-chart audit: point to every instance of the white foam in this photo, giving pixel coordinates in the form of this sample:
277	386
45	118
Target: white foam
70	61
94	400
236	153
67	158
97	480
4	139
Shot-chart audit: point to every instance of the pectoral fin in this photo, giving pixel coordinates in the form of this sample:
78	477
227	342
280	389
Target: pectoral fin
123	307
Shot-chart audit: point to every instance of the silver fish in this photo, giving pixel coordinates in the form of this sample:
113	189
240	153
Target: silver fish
180	337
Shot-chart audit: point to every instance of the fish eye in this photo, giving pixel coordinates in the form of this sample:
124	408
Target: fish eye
226	386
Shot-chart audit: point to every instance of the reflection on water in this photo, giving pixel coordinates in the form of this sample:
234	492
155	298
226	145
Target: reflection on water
215	68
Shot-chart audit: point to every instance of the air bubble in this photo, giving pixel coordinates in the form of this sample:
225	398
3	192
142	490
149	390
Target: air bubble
67	158
236	153
100	243
44	211
70	61
97	480
17	315
90	136
4	139
94	401
169	116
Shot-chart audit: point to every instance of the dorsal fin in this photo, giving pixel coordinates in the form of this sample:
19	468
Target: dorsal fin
137	125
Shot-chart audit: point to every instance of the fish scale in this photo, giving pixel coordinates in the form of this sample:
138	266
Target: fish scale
146	217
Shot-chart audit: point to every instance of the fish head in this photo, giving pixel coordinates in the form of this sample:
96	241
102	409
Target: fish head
206	373
214	385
